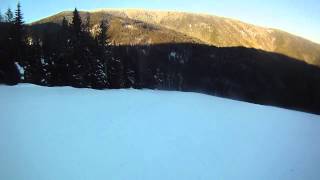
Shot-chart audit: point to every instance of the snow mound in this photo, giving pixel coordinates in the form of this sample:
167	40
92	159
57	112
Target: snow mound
80	134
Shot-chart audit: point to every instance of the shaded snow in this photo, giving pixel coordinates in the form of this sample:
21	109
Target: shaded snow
74	134
20	69
173	54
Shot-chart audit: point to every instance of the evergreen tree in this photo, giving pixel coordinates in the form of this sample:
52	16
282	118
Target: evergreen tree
18	20
19	23
9	73
64	36
64	24
35	67
99	75
102	35
132	67
76	23
8	52
49	58
18	36
63	62
76	65
129	61
116	71
81	48
9	16
87	25
99	64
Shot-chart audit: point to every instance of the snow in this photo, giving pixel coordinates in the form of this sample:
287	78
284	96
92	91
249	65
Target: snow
43	61
173	54
20	69
81	134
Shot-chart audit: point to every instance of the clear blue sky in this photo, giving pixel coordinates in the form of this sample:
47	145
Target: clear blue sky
301	17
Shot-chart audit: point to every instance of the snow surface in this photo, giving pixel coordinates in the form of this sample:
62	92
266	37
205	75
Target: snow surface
81	134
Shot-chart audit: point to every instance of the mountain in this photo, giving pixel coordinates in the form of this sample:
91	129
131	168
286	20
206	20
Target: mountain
129	26
123	30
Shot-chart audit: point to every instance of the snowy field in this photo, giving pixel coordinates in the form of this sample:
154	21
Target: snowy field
81	134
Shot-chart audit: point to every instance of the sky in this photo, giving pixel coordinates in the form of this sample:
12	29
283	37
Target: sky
300	17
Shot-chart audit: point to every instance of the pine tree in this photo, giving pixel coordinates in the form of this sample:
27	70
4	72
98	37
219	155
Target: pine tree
9	16
81	48
64	34
64	24
61	55
18	20
87	25
9	73
19	23
116	71
99	64
76	65
129	60
10	56
76	23
19	34
102	36
35	67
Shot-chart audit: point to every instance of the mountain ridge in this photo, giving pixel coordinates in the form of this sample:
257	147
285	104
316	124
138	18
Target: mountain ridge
177	11
201	14
226	32
203	28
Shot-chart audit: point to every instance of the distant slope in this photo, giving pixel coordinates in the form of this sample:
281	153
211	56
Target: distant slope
126	31
224	32
80	134
154	27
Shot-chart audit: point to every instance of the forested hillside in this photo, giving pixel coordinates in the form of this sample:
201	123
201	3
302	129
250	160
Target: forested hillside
81	50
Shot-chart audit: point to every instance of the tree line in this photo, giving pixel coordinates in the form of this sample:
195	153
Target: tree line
71	56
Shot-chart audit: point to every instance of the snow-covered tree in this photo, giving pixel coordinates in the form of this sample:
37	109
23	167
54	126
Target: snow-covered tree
99	64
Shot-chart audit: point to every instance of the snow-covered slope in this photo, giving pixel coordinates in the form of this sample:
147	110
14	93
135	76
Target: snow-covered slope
74	134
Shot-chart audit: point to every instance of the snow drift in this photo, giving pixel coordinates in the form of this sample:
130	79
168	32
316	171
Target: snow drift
74	134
